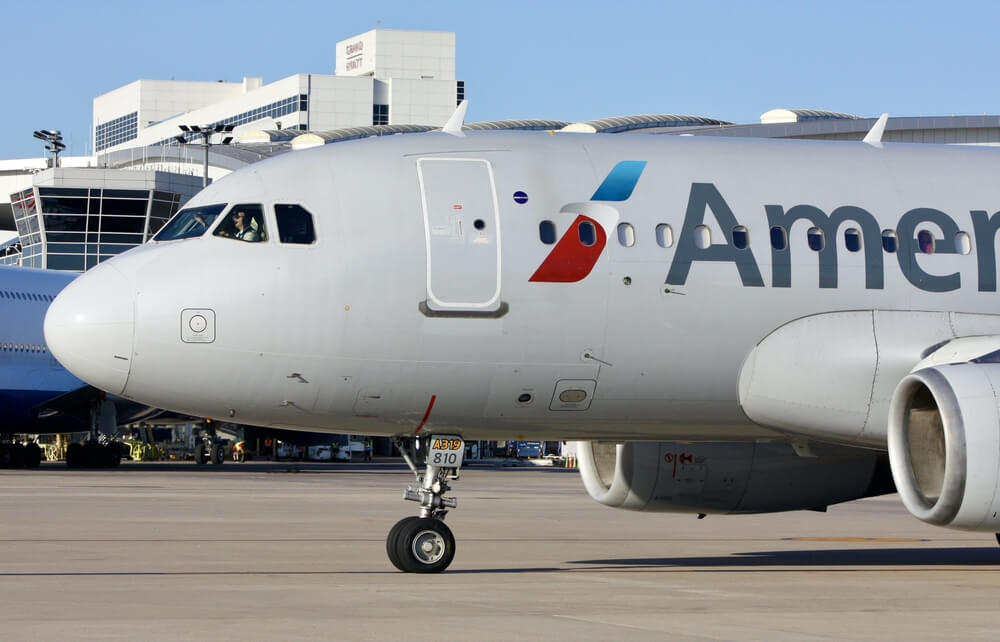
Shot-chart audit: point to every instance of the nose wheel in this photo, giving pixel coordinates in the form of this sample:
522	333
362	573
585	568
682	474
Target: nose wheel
424	543
420	545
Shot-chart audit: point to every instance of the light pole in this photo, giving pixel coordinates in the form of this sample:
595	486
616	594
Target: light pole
55	145
205	131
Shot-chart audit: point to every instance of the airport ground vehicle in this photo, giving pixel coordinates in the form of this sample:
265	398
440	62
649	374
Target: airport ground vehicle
286	450
320	452
526	449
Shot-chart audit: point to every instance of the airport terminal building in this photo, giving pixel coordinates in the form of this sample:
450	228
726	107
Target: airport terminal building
74	218
383	77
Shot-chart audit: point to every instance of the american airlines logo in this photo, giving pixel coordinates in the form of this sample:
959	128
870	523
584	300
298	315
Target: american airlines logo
571	259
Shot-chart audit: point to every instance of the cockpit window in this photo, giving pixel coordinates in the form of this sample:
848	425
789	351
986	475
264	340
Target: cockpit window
295	224
245	223
189	223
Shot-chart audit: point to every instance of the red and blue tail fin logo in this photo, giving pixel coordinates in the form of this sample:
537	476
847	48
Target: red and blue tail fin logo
571	260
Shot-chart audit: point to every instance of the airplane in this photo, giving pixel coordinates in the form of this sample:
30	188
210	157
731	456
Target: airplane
29	374
725	325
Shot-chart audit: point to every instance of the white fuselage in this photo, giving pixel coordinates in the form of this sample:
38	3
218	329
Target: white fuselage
404	314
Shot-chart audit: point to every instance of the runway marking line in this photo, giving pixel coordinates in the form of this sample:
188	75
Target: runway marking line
855	539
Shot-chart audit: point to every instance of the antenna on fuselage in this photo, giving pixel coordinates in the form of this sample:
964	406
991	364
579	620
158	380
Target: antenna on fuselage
454	124
874	135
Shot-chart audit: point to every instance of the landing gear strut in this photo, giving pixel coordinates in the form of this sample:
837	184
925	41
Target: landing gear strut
424	544
209	449
100	450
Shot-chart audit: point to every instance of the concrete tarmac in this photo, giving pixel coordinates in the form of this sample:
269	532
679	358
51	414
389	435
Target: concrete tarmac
256	552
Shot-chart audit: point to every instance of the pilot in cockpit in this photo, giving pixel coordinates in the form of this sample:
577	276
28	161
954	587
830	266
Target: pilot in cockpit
243	230
244	222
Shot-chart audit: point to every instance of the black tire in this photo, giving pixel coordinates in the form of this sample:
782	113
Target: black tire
112	455
392	541
200	456
74	455
425	545
94	455
218	454
17	453
32	455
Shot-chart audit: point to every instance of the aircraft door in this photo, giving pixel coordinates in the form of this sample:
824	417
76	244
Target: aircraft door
462	235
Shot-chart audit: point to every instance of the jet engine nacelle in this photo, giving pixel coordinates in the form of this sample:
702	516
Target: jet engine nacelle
729	477
944	444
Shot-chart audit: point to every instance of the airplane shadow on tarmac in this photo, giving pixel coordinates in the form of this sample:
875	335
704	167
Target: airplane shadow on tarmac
845	560
901	557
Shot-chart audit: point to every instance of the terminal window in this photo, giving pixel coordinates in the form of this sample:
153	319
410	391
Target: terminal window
117	131
278	108
84	226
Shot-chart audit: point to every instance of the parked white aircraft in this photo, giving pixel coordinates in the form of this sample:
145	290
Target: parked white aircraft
731	325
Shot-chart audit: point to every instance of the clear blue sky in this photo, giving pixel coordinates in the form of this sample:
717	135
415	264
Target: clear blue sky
562	60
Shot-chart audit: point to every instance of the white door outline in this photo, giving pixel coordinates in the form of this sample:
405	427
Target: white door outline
493	301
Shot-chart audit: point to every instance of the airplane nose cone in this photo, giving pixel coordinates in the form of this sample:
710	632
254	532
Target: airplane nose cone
89	327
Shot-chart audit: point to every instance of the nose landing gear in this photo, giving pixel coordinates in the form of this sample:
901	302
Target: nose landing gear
425	544
209	449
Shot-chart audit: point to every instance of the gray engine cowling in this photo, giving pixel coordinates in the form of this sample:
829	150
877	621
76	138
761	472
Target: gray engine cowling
724	478
944	445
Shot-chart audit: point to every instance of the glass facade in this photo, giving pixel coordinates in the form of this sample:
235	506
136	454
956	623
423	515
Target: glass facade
25	209
282	107
10	252
380	114
73	228
117	131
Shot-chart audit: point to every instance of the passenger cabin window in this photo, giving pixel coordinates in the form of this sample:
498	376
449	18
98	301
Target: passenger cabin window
587	232
664	235
963	244
741	237
779	238
889	241
626	234
852	239
244	222
702	237
816	240
547	232
295	224
925	240
189	223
